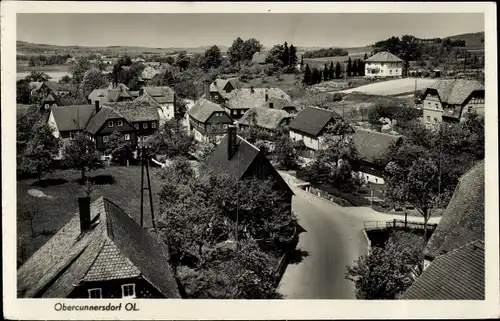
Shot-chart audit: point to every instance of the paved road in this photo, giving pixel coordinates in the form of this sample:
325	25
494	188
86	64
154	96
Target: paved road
333	240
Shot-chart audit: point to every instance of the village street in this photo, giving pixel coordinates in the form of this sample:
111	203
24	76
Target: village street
333	239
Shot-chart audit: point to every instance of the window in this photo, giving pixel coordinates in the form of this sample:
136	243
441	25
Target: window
128	290
436	105
429	119
105	138
153	125
72	135
136	126
435	120
390	71
95	293
120	123
127	136
47	106
470	109
111	124
145	125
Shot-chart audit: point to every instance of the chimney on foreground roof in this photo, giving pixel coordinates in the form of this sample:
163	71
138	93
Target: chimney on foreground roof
231	141
251	90
141	91
97	105
84	208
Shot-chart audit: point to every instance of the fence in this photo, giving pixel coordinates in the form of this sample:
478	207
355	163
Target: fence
395	223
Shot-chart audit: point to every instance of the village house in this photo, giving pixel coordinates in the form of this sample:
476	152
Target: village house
111	94
269	120
148	73
383	64
99	122
52	94
239	101
454	266
164	98
279	104
101	253
219	89
451	101
208	121
309	126
372	148
239	159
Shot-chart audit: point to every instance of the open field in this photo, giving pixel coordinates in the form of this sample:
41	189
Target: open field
320	62
392	87
120	184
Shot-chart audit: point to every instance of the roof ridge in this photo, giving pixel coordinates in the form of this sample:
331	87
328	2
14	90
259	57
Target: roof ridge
459	248
246	141
376	132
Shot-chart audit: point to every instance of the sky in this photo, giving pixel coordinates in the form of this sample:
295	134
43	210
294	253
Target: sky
193	30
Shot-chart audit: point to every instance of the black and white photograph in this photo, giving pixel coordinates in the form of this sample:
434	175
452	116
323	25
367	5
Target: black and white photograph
249	155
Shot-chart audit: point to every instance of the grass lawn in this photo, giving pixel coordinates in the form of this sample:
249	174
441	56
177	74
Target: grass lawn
122	185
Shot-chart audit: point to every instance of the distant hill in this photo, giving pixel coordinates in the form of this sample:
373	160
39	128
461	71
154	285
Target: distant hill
472	40
27	48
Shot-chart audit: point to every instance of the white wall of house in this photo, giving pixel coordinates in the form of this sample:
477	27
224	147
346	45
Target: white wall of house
475	105
310	142
53	125
386	69
432	110
369	178
198	135
166	112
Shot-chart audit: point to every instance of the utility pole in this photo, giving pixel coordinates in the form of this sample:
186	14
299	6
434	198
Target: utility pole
345	72
145	164
440	152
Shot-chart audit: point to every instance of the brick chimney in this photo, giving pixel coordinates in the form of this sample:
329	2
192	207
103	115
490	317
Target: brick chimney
251	90
231	141
141	91
97	106
84	209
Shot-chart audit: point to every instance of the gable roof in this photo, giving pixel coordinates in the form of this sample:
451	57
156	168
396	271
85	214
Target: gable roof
149	72
312	120
161	95
259	57
241	160
264	117
463	220
54	86
457	275
72	118
115	247
384	57
136	111
372	145
456	91
104	114
244	98
203	109
219	84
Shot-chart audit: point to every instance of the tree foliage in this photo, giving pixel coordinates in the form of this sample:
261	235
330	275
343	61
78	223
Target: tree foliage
93	79
81	154
171	140
325	52
212	58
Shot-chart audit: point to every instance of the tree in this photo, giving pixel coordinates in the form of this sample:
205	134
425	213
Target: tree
275	56
66	79
93	79
172	140
361	67
285	152
81	154
349	67
117	146
29	214
40	150
331	71
182	61
316	76
386	272
355	68
366	56
212	58
325	73
38	76
78	70
301	62
307	76
293	60
250	47
23	92
338	70
235	52
285	58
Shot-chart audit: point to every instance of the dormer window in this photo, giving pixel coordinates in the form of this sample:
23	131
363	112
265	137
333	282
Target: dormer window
136	126
128	290
145	125
120	123
153	125
95	293
111	123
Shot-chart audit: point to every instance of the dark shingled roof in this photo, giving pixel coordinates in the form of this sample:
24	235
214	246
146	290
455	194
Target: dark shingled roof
115	94
54	86
383	57
313	120
463	220
264	117
371	145
244	98
116	247
203	109
457	275
101	117
161	95
241	160
71	118
455	91
136	111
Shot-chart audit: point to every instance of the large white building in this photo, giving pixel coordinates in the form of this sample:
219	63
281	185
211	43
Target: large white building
383	64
